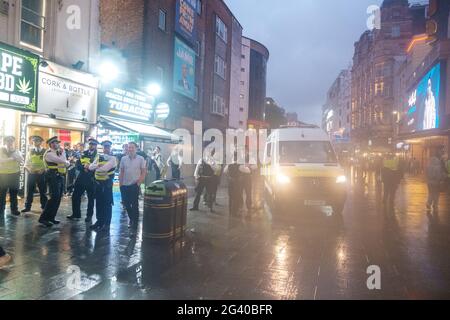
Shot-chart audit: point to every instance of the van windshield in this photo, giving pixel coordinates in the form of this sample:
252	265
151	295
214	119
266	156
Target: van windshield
307	152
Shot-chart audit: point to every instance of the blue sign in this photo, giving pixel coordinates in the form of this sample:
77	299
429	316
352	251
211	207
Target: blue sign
424	102
184	69
185	19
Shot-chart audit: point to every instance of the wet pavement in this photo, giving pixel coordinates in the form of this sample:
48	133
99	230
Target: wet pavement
315	256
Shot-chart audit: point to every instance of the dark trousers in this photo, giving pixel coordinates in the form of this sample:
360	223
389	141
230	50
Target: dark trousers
234	196
176	172
55	184
203	184
39	180
104	202
434	192
130	199
71	176
247	187
389	191
9	182
2	252
80	189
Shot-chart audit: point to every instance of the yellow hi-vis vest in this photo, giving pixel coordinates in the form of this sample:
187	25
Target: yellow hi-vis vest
392	164
104	176
37	160
55	167
10	166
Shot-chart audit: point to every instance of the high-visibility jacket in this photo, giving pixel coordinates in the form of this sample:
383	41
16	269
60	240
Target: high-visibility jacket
56	168
392	164
8	167
104	176
37	160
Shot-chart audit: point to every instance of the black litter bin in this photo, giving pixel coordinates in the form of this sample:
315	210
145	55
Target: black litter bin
165	211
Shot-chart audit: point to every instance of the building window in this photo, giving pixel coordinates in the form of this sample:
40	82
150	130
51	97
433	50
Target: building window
241	123
242	69
221	29
243	56
242	83
242	96
395	31
379	88
33	23
199	7
220	67
241	109
218	106
162	20
198	48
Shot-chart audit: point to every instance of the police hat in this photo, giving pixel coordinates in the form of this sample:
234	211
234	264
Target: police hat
107	143
52	140
36	139
9	139
93	141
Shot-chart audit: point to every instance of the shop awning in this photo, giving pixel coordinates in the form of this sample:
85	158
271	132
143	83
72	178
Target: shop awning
147	132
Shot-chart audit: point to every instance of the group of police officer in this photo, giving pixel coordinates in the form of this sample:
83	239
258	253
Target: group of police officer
47	168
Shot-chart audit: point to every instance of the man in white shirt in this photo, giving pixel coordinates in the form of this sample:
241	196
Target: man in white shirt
56	164
105	168
10	161
133	169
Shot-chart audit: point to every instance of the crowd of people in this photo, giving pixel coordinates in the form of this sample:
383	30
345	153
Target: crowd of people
60	170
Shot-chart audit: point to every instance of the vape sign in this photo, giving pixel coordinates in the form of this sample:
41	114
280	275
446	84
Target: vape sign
18	79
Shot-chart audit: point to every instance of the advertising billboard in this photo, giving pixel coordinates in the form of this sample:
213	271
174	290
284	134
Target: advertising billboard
184	69
18	79
185	19
126	104
424	103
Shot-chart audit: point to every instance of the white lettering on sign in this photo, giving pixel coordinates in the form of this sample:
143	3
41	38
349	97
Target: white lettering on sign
413	99
10	64
74	20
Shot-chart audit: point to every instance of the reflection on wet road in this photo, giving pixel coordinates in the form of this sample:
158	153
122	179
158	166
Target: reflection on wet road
314	256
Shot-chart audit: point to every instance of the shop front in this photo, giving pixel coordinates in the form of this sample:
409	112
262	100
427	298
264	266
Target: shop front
126	115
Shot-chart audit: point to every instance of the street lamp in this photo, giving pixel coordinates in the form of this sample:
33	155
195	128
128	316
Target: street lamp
154	89
108	71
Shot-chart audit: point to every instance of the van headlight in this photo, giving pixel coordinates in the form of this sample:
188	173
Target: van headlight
283	179
341	179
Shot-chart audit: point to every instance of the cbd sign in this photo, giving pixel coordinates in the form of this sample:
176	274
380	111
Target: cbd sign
18	79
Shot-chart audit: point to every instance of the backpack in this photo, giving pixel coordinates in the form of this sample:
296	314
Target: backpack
206	170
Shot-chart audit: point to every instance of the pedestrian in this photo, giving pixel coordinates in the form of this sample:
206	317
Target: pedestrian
132	174
10	161
247	182
56	164
203	175
104	167
85	183
232	171
5	258
35	167
436	176
157	158
391	176
215	180
175	162
71	171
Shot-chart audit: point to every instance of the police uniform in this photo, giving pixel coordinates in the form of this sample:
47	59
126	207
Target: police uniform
56	168
391	176
10	161
84	183
36	175
105	168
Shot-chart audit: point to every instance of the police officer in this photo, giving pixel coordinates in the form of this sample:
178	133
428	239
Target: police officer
35	167
56	164
105	168
85	183
234	186
10	161
391	176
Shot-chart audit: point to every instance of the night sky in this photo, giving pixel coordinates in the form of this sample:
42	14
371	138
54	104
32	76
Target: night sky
310	41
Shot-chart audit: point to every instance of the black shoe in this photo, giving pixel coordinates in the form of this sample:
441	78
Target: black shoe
104	229
46	223
26	210
88	220
55	222
15	213
94	227
72	218
194	209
